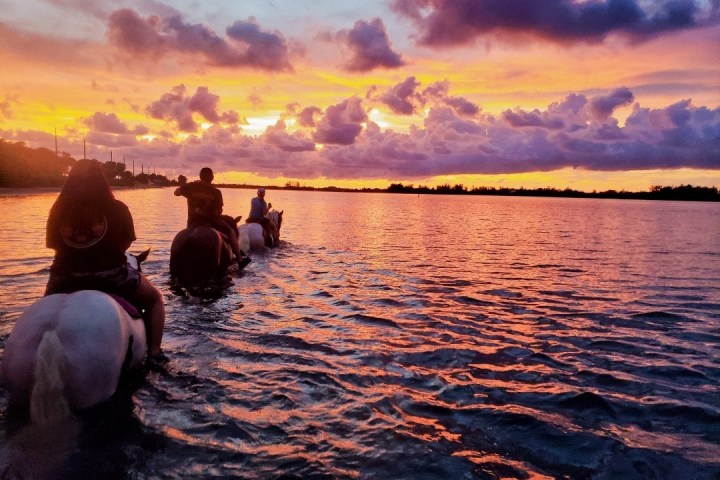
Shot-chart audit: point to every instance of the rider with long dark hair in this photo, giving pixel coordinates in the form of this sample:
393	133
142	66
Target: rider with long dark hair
90	231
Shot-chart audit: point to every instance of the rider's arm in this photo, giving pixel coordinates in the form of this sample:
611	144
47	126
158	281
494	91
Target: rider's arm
126	227
52	232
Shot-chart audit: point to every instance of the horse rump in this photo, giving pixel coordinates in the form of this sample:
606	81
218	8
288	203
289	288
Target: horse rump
198	256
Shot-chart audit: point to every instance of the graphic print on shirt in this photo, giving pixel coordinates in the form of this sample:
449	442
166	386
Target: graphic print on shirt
203	202
84	234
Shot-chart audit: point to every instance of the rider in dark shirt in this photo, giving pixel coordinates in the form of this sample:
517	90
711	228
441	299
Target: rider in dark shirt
90	231
205	207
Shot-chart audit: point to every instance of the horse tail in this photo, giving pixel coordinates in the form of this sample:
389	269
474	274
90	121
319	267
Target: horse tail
47	400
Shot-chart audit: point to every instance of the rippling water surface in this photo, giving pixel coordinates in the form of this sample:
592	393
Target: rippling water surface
417	337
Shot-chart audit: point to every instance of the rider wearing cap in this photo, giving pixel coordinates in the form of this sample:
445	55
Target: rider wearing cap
259	209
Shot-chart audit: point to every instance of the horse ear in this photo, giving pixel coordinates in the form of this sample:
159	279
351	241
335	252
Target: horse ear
281	212
237	219
141	257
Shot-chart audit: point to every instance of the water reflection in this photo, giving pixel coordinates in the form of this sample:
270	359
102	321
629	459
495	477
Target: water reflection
450	337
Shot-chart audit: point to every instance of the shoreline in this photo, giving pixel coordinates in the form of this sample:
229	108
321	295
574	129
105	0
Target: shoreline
9	191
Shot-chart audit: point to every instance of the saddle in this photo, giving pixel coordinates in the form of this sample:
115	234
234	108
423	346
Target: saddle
131	309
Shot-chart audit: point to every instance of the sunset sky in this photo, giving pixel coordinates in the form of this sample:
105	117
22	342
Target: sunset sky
586	94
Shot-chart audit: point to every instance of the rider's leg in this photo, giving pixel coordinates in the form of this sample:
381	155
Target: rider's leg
150	300
224	226
269	227
240	256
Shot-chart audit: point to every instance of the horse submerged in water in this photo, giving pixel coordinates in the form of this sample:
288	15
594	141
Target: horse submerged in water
253	236
67	352
200	256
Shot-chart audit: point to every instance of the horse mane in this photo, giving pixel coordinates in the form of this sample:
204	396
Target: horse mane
276	218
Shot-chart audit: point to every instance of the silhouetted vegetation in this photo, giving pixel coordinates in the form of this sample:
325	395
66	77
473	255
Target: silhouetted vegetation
21	166
682	192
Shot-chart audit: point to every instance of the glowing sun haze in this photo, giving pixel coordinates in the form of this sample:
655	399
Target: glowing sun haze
595	94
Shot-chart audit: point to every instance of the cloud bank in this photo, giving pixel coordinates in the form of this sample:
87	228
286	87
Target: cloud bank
457	22
455	136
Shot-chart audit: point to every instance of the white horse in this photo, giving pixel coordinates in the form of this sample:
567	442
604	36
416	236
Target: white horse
251	236
67	351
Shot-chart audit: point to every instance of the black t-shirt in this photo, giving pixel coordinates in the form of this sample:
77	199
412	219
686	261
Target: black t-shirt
204	201
92	242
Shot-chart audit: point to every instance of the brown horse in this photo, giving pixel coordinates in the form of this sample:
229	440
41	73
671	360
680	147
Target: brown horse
200	257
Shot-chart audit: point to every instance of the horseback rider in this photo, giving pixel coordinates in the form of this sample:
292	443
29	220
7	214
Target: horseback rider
90	231
205	207
259	209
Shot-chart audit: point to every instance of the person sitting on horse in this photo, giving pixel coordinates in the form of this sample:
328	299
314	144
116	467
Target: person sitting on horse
205	207
259	209
90	231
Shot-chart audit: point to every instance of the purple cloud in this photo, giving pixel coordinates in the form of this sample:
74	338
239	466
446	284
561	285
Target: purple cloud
405	99
453	22
278	136
462	106
110	123
369	45
176	106
604	106
135	35
341	123
401	98
246	44
306	117
520	118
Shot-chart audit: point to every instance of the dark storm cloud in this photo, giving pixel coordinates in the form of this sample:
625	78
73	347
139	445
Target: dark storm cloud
178	107
369	46
341	123
246	44
456	22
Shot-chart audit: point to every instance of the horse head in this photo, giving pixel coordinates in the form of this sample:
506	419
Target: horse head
276	218
136	260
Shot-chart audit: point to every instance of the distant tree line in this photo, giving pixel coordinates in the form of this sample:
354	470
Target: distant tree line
21	166
682	192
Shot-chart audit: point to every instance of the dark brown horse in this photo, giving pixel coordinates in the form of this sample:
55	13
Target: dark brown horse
200	257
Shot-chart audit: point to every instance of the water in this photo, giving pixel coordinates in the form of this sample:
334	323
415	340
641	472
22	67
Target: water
417	337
